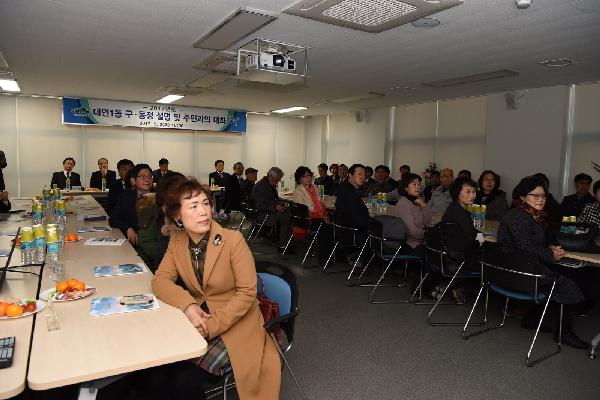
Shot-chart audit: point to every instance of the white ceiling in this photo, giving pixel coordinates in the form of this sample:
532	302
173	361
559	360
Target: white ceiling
129	49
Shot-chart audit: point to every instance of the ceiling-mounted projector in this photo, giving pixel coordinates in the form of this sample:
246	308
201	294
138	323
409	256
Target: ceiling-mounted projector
270	61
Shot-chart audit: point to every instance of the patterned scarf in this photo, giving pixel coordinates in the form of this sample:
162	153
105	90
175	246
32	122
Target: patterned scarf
539	216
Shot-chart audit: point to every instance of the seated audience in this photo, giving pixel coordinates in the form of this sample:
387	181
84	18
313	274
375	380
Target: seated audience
218	177
4	202
464	173
591	211
350	210
343	173
266	201
233	187
413	211
462	239
248	184
324	179
60	178
154	228
333	168
404	169
573	205
525	227
306	193
552	207
383	182
368	176
490	195
218	296
103	171
3	165
123	215
440	197
163	168
120	185
434	182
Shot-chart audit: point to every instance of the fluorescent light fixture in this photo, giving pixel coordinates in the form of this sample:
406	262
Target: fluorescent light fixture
169	98
484	76
287	110
9	85
370	95
559	62
233	29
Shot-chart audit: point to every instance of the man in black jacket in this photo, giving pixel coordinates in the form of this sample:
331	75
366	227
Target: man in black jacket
325	179
120	185
233	187
266	201
4	202
2	166
60	178
103	171
247	184
163	168
573	204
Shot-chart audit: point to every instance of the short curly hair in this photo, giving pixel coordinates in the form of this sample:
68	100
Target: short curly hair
528	184
185	188
457	186
300	172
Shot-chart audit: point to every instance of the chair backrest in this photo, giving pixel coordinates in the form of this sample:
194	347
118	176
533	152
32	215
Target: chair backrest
300	216
280	286
438	254
391	229
510	268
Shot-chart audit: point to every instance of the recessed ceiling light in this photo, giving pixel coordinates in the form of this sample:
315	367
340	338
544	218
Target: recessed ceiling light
426	22
169	98
484	76
559	62
290	109
9	85
370	95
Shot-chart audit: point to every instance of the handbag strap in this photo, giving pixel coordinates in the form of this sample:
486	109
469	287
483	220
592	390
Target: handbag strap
262	289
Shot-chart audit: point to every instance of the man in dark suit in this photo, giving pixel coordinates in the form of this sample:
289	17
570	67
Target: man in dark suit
219	178
2	166
351	211
266	201
247	184
124	215
325	179
103	171
383	182
4	202
233	187
60	178
120	185
163	168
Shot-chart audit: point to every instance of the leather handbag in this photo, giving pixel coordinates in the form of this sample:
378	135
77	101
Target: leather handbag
582	240
269	310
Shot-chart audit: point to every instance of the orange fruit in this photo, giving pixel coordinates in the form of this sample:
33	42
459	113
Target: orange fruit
3	307
72	282
72	237
31	306
14	310
78	287
62	286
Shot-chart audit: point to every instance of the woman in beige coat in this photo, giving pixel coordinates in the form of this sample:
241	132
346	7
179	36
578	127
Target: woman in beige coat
219	297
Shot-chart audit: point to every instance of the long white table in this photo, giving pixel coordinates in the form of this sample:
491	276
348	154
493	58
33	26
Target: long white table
88	348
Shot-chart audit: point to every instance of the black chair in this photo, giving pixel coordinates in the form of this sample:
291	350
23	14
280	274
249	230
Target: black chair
300	219
387	248
514	274
350	237
257	221
450	263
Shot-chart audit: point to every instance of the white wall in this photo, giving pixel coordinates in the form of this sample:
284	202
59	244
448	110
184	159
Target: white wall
529	139
35	143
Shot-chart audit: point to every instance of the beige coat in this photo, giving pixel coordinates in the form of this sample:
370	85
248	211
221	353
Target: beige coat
230	293
301	196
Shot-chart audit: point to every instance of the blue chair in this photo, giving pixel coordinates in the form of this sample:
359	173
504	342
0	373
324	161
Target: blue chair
514	274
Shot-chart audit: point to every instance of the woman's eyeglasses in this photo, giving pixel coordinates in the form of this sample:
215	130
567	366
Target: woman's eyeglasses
537	196
145	177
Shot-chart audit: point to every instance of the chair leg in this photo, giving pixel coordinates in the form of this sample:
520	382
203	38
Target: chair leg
531	363
311	244
239	228
356	263
287	244
329	258
378	284
500	325
285	361
439	302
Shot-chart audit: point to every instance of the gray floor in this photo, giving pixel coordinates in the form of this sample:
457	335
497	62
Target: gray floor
347	348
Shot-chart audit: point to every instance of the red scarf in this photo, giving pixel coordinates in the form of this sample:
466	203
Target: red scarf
539	216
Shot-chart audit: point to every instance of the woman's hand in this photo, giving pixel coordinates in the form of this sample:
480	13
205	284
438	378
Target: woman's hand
420	202
198	318
132	236
558	252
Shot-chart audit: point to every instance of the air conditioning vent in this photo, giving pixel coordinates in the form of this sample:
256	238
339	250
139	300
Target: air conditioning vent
369	15
222	61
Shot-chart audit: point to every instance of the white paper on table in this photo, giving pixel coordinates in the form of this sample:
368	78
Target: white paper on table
104	241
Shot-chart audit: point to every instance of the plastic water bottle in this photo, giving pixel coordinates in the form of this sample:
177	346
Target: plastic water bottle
39	244
482	213
37	213
321	191
68	183
475	216
563	226
572	227
53	262
26	245
103	184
